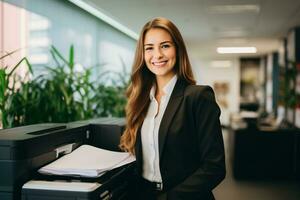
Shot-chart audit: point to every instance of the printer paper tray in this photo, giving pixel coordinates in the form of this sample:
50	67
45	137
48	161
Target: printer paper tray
112	185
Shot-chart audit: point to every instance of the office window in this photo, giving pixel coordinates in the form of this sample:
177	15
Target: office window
34	25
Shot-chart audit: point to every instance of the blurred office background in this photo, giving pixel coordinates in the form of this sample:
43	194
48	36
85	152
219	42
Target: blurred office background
248	51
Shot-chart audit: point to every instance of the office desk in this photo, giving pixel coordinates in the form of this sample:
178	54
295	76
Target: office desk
265	154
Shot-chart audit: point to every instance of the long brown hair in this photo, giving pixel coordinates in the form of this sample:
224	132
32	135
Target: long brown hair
142	80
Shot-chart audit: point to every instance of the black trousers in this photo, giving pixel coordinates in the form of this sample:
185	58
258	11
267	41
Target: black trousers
144	190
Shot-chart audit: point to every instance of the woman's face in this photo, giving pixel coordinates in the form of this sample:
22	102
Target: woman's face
160	53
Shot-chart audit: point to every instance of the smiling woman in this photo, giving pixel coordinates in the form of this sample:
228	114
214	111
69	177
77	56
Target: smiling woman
160	54
172	126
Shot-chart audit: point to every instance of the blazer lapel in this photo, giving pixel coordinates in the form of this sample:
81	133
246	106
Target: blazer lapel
174	102
138	151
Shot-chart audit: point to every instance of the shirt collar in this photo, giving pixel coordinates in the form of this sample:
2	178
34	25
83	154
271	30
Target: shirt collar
167	89
152	92
170	85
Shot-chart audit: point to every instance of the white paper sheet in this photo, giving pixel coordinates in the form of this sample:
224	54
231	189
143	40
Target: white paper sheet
87	161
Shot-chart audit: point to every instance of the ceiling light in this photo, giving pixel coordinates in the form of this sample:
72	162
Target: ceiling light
223	50
233	33
221	63
231	9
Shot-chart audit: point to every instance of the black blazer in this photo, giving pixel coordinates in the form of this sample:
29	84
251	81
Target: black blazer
191	149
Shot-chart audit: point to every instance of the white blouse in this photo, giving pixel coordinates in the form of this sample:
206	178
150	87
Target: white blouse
149	132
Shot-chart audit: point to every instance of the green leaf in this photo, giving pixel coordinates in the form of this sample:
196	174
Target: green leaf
71	57
56	52
8	54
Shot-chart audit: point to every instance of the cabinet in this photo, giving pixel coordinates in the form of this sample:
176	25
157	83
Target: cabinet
261	155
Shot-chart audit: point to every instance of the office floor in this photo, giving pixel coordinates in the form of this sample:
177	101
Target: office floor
231	189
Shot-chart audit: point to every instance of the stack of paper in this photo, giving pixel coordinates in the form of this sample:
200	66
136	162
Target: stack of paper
87	161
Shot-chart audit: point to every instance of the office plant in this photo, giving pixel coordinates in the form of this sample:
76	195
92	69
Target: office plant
63	94
8	87
113	97
67	93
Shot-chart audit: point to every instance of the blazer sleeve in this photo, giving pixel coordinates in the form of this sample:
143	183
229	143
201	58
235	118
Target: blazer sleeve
211	169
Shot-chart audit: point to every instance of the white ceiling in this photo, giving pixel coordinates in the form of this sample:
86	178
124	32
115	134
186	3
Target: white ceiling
205	25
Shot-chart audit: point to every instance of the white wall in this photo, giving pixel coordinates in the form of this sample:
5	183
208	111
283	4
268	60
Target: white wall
205	74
